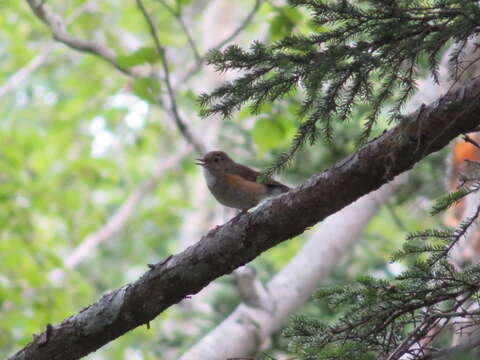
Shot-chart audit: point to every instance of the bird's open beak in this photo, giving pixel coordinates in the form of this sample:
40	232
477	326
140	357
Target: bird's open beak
200	162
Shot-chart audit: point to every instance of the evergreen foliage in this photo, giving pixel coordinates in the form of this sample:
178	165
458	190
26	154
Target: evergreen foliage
365	52
452	198
83	143
388	319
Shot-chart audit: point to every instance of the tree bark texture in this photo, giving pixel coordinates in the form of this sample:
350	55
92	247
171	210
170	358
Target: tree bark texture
250	326
245	237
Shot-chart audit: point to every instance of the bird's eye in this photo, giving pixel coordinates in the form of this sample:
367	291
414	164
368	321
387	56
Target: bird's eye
216	159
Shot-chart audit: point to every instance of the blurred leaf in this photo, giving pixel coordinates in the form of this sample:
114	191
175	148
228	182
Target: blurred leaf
147	89
141	56
268	134
293	14
284	22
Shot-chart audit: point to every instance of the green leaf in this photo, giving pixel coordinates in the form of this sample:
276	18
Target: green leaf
268	134
147	89
141	56
283	23
293	14
280	27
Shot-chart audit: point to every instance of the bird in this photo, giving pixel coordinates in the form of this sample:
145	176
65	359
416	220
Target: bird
235	185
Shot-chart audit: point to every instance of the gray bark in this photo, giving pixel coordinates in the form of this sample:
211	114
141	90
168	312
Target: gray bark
242	239
253	322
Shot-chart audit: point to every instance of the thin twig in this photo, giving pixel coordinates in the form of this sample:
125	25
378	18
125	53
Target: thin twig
458	235
58	27
225	41
468	139
182	127
119	219
240	27
177	15
23	73
454	351
417	333
464	70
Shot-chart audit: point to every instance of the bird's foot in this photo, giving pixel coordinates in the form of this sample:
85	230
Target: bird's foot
241	212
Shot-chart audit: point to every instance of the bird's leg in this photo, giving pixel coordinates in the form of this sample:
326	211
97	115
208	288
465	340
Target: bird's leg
240	212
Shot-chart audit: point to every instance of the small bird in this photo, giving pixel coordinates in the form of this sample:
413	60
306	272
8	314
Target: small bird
235	185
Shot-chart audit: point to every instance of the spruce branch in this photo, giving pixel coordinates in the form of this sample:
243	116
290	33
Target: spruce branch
390	319
370	53
239	241
459	233
451	199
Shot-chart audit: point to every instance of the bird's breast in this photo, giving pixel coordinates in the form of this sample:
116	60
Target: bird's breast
209	178
234	191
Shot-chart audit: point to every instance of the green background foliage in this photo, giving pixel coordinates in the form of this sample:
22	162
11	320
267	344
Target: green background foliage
77	137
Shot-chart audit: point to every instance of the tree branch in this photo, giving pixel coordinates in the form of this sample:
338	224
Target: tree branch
456	352
184	130
23	73
242	239
240	27
58	27
178	15
14	80
243	331
252	292
200	61
118	220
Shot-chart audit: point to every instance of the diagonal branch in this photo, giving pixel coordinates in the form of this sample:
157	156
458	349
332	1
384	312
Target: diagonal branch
14	80
240	27
201	60
23	73
58	26
199	147
251	324
456	352
116	223
178	15
242	239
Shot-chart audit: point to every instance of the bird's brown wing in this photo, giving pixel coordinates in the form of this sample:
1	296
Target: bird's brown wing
252	175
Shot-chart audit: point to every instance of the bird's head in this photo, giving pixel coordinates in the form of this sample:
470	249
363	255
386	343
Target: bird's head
216	162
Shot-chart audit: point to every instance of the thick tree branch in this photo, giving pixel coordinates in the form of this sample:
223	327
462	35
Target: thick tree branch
252	292
251	324
242	239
